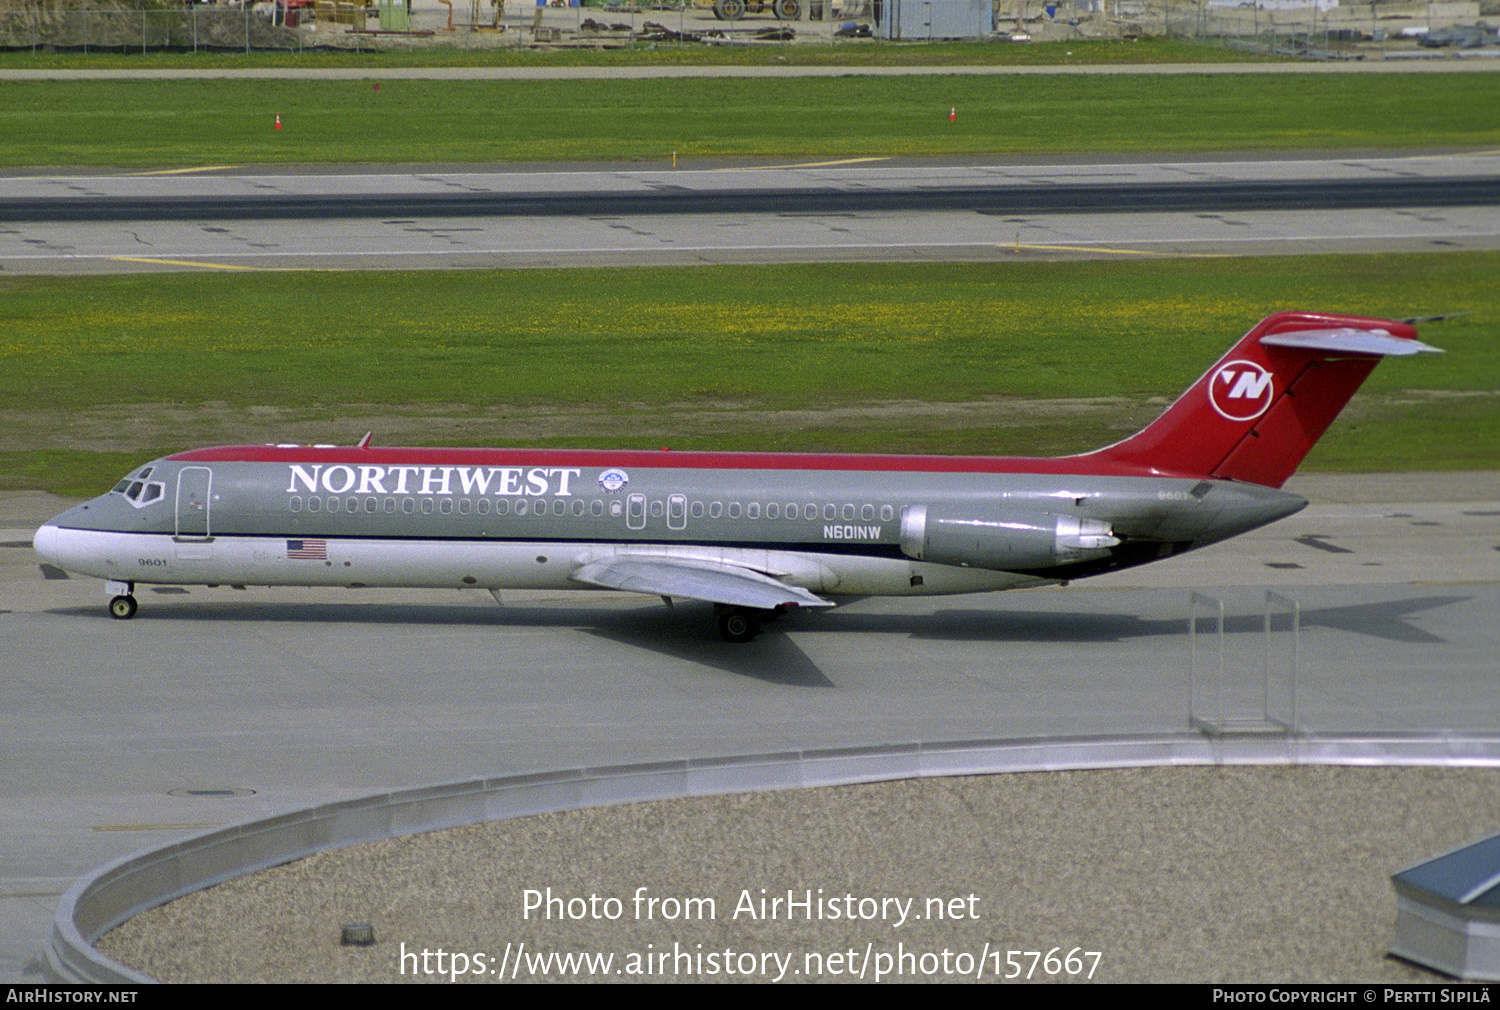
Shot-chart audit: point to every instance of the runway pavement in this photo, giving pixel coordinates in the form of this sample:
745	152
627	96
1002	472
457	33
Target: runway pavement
865	210
214	706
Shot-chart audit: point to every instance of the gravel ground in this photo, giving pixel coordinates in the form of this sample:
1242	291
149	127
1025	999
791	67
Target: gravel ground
1212	874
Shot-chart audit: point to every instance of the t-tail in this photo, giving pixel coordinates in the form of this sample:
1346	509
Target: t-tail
1255	414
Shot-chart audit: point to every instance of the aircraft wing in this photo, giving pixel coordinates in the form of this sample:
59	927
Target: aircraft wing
713	582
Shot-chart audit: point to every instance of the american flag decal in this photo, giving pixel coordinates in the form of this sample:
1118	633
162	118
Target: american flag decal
308	550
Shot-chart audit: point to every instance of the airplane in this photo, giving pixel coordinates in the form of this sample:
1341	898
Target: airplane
755	534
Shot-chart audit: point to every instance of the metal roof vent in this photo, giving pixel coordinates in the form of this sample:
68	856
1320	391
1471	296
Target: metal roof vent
1448	912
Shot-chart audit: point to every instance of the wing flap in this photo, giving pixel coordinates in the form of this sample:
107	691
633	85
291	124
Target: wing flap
709	581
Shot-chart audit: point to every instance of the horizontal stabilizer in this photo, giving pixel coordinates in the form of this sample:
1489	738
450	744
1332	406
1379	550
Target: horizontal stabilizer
1347	340
709	581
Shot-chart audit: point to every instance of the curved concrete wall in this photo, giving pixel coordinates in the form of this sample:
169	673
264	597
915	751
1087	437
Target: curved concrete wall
107	897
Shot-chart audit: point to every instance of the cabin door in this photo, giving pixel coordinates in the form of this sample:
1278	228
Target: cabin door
194	495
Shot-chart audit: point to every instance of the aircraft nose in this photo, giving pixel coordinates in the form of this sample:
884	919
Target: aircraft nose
68	549
47	541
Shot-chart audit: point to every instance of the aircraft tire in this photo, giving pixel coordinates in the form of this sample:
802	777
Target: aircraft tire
122	608
787	10
732	10
738	625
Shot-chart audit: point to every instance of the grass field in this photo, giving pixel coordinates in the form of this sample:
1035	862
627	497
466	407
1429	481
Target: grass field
97	374
160	124
614	355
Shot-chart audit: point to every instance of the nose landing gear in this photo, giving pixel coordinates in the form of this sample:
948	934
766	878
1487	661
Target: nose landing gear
122	605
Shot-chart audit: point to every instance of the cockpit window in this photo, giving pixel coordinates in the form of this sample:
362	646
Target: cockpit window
138	490
141	493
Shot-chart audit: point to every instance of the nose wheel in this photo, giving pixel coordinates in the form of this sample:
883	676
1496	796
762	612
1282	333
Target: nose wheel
122	608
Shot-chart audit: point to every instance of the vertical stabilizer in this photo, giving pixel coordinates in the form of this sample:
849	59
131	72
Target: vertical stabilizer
1255	414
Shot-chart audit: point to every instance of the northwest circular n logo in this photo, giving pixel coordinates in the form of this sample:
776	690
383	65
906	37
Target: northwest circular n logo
1241	390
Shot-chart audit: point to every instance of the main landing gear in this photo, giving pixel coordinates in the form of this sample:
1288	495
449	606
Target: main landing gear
740	624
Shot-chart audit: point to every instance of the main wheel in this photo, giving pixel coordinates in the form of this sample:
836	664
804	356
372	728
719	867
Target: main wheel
122	608
732	10
738	625
787	10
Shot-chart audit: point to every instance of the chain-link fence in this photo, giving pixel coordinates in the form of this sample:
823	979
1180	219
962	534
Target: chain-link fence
1314	28
1299	27
465	24
183	29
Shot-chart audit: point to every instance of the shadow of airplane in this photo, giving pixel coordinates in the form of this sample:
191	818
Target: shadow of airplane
1385	619
690	636
686	632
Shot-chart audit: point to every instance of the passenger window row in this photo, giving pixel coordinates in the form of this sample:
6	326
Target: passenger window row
791	510
575	507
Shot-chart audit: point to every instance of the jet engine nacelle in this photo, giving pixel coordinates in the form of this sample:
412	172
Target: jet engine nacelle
1001	539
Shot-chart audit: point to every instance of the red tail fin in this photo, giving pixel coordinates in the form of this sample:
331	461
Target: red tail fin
1255	414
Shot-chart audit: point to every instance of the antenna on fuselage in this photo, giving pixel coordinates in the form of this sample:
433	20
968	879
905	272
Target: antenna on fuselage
364	443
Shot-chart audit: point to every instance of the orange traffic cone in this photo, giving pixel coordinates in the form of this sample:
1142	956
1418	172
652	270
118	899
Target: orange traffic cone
278	120
952	114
